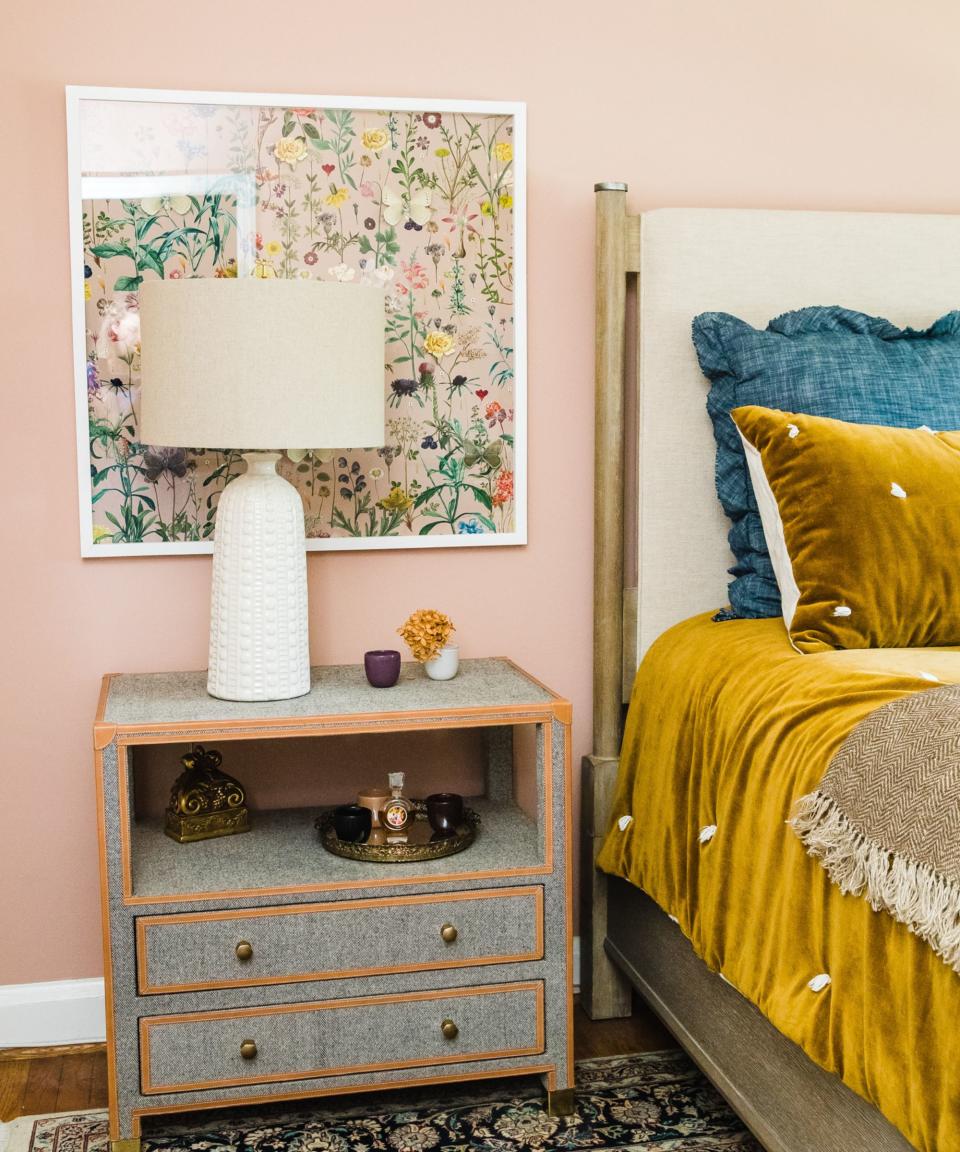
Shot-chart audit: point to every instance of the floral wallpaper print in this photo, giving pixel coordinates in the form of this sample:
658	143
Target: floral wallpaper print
419	202
143	492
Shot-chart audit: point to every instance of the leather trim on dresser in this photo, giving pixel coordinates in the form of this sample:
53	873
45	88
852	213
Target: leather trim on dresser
302	942
200	1050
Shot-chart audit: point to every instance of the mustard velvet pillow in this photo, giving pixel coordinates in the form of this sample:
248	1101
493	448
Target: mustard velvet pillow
863	526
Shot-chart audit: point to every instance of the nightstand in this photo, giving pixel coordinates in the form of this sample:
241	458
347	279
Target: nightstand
260	967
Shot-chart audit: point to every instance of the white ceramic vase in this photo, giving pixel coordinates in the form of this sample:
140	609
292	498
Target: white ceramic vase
259	647
445	665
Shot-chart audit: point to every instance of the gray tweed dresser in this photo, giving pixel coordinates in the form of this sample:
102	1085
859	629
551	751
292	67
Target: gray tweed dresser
260	967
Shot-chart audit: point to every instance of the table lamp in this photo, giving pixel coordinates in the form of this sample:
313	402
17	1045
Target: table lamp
260	365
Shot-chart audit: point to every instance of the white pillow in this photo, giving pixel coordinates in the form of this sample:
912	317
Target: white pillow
772	531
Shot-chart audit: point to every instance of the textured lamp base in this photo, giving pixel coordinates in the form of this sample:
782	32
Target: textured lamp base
258	603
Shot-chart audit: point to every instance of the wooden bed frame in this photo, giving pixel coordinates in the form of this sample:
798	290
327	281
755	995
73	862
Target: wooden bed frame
661	556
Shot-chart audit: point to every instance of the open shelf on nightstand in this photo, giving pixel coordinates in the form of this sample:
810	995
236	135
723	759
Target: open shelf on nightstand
282	851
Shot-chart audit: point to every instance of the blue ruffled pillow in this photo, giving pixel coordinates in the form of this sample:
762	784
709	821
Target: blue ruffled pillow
822	362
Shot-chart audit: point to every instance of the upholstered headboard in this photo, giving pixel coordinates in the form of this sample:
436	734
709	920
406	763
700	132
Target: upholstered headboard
754	264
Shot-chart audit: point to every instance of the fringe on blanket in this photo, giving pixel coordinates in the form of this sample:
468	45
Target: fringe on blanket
914	894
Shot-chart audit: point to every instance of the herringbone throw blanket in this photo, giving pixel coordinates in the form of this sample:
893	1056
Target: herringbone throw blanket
885	819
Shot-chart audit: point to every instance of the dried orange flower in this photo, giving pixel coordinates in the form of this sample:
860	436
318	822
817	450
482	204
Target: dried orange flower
426	631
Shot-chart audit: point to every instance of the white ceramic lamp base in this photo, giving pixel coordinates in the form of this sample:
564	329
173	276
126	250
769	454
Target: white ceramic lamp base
259	648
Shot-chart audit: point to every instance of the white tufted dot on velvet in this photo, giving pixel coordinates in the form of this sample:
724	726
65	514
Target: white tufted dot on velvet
258	603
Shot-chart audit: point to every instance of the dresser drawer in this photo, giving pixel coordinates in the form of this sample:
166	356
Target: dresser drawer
200	950
204	1050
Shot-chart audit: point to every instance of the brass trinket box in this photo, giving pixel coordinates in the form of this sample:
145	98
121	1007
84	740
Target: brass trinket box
205	802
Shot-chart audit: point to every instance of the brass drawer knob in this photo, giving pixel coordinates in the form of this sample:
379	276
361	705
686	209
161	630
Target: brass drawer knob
244	951
449	1029
248	1049
449	933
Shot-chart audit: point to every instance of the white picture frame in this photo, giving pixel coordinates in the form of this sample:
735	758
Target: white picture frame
90	186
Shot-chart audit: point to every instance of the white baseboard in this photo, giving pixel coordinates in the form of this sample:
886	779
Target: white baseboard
53	1012
72	1011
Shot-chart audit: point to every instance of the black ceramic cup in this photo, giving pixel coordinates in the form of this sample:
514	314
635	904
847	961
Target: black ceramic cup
352	823
382	667
445	812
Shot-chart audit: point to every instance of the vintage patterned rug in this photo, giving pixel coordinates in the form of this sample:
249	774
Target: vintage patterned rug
652	1100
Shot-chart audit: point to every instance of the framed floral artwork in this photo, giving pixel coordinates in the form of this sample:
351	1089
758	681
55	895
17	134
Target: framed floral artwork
424	197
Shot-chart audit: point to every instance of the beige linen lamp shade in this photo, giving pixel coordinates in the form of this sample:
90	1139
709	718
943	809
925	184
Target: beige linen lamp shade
261	364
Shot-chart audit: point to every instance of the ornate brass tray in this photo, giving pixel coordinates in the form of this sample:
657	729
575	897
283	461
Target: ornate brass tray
422	842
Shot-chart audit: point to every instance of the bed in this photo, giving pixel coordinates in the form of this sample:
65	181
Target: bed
660	559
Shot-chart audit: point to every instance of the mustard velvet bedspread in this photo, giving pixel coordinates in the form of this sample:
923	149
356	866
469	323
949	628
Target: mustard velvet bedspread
728	726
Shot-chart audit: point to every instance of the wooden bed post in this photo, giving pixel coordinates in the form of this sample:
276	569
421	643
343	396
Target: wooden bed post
611	303
604	991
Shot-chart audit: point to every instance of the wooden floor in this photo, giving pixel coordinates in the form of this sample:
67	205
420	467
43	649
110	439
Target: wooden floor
58	1080
641	1032
34	1080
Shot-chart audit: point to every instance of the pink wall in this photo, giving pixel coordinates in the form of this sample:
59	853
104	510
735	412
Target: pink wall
823	104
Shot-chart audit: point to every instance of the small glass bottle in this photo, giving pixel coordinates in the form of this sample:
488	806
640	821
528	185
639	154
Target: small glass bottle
396	812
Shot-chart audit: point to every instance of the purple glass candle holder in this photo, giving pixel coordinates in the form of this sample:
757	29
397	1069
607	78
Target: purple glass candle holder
445	812
382	667
352	823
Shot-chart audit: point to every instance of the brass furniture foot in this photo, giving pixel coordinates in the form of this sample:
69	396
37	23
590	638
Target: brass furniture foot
125	1145
560	1102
